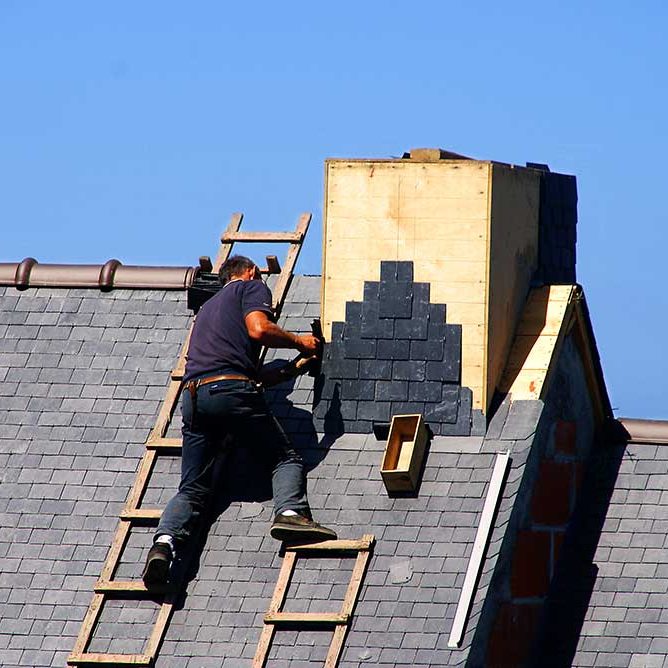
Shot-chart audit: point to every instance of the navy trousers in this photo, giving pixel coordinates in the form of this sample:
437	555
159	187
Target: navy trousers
236	409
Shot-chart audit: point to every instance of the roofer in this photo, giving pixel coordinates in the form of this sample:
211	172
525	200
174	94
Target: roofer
222	400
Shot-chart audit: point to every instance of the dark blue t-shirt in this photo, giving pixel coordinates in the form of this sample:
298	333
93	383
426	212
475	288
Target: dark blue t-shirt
220	342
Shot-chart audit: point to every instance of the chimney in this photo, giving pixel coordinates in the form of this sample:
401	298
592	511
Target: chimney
480	233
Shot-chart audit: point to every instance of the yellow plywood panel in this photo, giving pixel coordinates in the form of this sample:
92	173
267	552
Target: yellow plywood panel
532	352
469	250
524	384
459	180
531	357
434	214
513	257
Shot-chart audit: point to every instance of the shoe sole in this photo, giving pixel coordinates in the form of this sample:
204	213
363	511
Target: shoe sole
289	533
156	572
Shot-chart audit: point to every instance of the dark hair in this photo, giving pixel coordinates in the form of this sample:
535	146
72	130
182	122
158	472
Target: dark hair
234	266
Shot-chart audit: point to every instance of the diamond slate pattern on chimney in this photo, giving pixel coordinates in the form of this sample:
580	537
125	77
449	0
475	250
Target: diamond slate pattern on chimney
394	354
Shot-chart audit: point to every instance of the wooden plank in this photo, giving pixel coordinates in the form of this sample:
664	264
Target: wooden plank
166	411
283	582
149	515
523	383
529	383
226	247
280	289
336	646
87	626
141	480
266	237
115	550
379	179
95	659
129	586
179	370
275	605
532	352
340	545
262	650
356	578
288	618
169	444
161	622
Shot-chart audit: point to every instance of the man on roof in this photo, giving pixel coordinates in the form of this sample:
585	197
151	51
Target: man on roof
222	401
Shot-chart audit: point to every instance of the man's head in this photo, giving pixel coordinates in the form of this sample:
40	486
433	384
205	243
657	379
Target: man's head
239	266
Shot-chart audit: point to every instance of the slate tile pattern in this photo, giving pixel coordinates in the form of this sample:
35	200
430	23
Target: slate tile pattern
84	376
394	354
557	229
618	576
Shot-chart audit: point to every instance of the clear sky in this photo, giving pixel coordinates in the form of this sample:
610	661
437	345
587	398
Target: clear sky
132	130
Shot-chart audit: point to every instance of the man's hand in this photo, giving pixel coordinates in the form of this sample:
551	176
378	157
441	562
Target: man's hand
308	344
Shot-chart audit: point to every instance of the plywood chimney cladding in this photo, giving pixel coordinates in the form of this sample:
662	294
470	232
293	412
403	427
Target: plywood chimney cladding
469	226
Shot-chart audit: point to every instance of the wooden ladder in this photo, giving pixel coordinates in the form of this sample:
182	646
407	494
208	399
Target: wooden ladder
132	514
340	621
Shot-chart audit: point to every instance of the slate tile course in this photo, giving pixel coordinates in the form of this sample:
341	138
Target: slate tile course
63	486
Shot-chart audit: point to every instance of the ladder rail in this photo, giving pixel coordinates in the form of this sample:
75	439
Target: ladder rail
340	620
158	444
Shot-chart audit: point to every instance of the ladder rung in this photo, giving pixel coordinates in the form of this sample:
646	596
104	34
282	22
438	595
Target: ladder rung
90	658
306	618
267	237
141	514
164	444
335	545
129	586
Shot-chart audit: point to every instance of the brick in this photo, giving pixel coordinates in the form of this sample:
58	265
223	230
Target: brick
511	636
551	498
530	575
564	437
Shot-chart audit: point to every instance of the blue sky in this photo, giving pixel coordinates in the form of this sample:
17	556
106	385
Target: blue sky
133	129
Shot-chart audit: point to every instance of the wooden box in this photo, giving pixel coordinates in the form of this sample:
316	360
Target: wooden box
404	453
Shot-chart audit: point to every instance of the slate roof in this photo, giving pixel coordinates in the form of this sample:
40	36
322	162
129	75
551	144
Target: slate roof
609	603
83	375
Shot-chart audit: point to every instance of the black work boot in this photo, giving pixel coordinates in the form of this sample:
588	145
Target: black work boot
158	561
298	527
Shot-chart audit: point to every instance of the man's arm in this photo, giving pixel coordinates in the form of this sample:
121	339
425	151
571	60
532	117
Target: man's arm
264	331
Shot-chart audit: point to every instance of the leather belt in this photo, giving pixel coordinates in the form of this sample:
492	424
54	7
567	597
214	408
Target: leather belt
192	385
